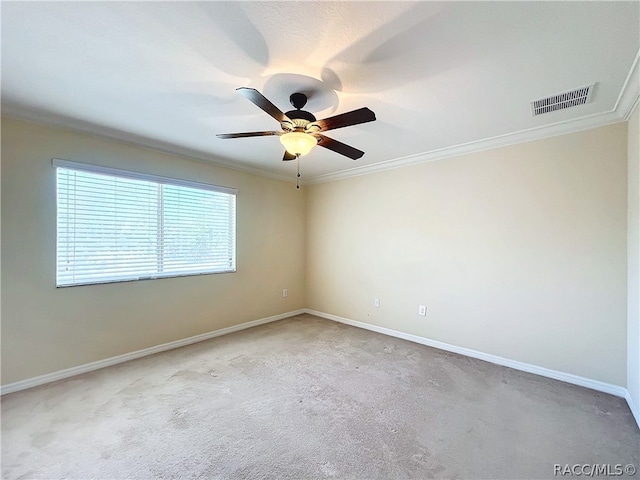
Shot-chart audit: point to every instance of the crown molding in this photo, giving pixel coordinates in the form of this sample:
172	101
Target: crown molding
625	104
79	126
624	107
630	93
560	128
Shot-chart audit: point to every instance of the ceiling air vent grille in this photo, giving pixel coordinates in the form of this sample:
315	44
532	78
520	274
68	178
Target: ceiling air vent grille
560	101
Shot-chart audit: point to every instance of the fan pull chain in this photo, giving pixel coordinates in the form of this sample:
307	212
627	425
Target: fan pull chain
298	177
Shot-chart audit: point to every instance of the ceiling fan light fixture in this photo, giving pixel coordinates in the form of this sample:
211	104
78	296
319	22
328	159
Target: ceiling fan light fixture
298	143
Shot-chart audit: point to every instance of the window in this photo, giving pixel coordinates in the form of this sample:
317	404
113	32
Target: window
115	225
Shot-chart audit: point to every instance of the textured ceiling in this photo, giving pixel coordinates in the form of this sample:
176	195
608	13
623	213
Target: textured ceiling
441	77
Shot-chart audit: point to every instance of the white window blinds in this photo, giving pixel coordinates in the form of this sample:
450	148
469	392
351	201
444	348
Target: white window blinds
115	226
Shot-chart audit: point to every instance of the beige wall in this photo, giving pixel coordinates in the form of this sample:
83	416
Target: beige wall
633	253
518	252
45	329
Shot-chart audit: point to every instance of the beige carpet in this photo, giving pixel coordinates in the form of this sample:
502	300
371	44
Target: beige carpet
308	398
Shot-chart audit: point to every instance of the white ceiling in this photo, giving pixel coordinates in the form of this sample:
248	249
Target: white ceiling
442	77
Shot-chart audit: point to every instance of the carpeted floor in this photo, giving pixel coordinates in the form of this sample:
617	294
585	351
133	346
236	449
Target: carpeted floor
309	398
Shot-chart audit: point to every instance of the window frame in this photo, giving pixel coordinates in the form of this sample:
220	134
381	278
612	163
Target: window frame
158	179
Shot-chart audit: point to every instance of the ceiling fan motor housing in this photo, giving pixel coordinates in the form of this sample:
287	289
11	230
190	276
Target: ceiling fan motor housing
299	100
300	114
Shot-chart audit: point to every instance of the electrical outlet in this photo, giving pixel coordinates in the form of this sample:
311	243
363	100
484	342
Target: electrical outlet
422	310
284	293
376	303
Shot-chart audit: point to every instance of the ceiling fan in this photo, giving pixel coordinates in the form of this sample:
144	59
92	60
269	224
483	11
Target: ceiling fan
300	129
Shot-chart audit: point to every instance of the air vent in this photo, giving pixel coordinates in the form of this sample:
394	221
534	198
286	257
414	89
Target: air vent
560	101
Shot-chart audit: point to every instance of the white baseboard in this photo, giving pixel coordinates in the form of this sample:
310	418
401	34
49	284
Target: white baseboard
107	362
633	407
609	388
525	367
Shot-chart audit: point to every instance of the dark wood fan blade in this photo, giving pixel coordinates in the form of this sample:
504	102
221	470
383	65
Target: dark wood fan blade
247	134
288	156
261	101
362	115
339	147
